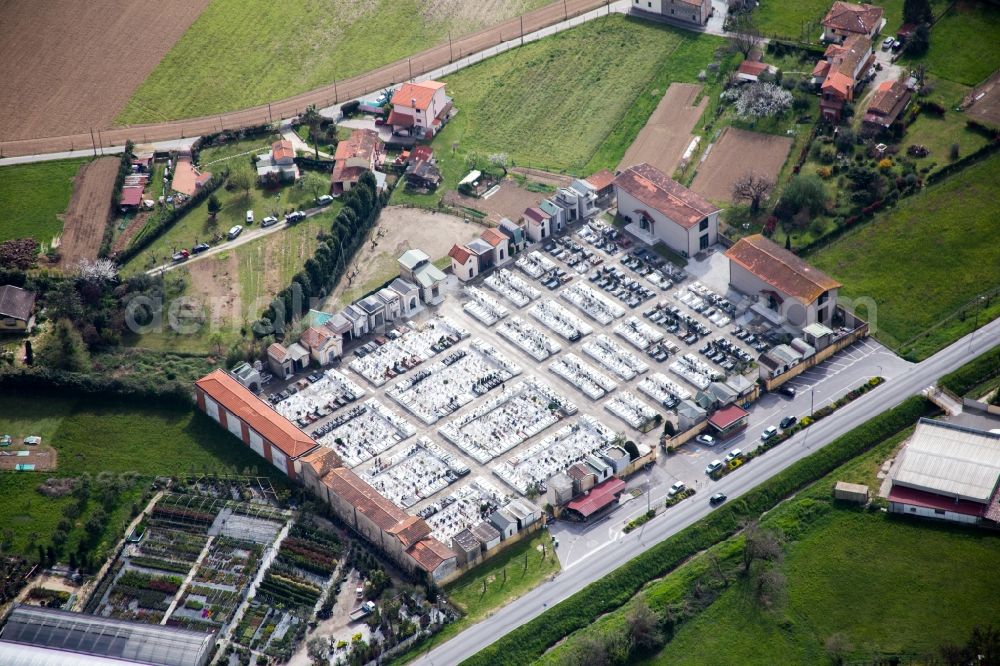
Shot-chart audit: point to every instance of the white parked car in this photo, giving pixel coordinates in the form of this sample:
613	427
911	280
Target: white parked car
707	440
268	221
712	466
770	432
676	488
734	454
234	232
249	217
324	200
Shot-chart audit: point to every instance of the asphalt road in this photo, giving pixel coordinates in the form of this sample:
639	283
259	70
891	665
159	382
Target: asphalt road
607	558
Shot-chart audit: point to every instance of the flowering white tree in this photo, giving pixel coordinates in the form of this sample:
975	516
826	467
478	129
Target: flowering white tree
758	100
98	270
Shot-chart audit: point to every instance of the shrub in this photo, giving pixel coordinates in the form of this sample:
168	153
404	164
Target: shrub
980	369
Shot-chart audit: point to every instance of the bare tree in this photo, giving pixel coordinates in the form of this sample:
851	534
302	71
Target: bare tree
745	35
97	270
643	627
759	545
753	188
770	585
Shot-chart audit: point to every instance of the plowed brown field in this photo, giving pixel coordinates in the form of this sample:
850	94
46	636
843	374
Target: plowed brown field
67	66
667	133
729	160
88	211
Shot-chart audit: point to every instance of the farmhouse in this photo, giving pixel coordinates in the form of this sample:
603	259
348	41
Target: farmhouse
781	281
254	422
659	209
890	100
360	152
420	109
279	163
845	19
694	12
416	267
187	178
841	72
949	472
16	307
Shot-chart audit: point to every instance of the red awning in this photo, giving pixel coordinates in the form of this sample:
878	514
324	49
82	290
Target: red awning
912	496
727	416
600	496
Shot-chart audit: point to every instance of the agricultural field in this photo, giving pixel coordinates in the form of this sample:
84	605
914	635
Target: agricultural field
727	162
66	71
666	135
323	41
938	283
33	198
89	210
960	50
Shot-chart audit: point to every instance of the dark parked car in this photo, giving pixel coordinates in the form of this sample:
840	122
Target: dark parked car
199	248
787	390
717	498
788	422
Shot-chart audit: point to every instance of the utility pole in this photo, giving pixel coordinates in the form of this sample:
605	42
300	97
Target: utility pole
336	97
521	17
92	141
409	64
100	141
565	11
270	118
812	401
451	54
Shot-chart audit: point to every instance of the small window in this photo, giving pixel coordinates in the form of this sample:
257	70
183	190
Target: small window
913	509
704	225
939	512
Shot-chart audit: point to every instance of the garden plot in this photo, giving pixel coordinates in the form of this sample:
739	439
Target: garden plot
440	388
629	408
528	470
512	287
501	423
484	307
365	431
561	320
413	347
593	383
418	471
726	162
534	264
217	588
695	371
231	524
329	393
528	338
663	389
464	508
614	357
593	304
638	333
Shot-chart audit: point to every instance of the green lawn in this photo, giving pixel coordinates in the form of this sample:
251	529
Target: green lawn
800	20
964	44
32	196
94	436
239	54
924	259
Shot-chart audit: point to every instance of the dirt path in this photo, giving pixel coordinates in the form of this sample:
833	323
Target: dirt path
667	133
89	211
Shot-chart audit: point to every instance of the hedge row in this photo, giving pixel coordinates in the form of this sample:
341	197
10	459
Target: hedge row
980	369
966	161
529	641
47	380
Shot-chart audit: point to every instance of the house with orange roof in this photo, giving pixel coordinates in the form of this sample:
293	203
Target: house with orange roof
279	163
843	69
419	109
846	18
187	179
888	103
360	152
253	421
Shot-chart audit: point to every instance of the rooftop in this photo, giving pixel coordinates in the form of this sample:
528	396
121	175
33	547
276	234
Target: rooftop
411	258
780	268
16	303
362	144
653	188
460	254
365	499
493	237
849	17
416	95
727	416
601	180
429	553
600	496
282	150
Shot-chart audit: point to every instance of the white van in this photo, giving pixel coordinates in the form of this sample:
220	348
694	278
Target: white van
249	217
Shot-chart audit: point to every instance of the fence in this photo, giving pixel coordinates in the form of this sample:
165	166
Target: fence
436	61
974	306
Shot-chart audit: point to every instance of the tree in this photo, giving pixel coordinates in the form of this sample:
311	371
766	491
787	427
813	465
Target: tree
241	178
745	35
29	353
316	183
802	193
643	627
312	119
758	100
213	206
917	11
920	41
788	243
62	348
753	188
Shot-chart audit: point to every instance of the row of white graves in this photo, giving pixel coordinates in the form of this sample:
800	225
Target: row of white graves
614	357
324	396
718	314
528	338
695	371
561	320
629	408
415	472
593	304
500	423
438	389
413	347
659	387
592	382
513	287
365	431
554	453
638	333
484	307
534	264
464	508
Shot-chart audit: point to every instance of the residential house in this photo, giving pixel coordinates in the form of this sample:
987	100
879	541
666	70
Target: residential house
781	281
659	209
423	176
420	109
416	267
843	69
360	152
279	163
751	70
324	345
694	12
16	308
536	223
890	100
845	19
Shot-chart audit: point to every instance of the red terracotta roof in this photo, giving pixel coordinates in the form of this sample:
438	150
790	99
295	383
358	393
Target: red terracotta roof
493	237
600	496
727	416
848	17
821	69
601	180
839	83
578	471
344	174
256	413
314	337
430	553
536	214
363	144
131	196
277	351
187	178
652	187
459	253
780	268
422	154
889	99
410	530
282	149
366	500
322	461
400	119
416	95
753	68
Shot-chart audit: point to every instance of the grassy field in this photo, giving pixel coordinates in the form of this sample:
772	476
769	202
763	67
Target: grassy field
561	103
262	51
961	47
93	436
924	259
32	196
